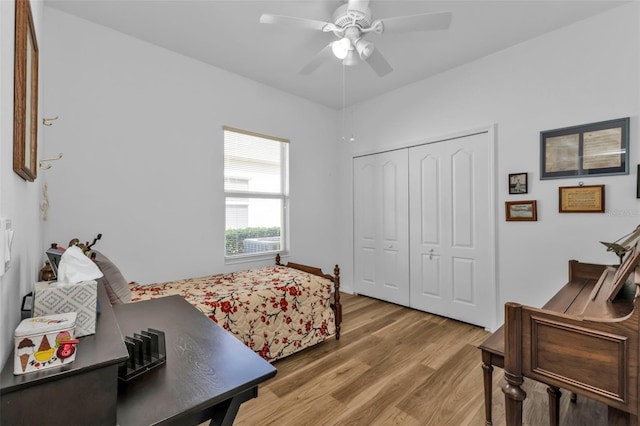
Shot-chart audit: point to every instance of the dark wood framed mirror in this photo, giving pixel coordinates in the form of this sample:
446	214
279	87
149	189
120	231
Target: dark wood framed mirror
25	120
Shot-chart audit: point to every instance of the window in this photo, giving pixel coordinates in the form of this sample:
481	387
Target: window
256	190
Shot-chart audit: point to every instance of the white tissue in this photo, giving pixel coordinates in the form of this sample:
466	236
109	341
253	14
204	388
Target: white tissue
75	267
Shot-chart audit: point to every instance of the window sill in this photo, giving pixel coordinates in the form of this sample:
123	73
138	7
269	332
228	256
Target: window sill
250	258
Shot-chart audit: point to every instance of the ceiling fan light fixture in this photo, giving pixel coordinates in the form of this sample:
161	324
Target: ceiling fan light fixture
351	22
364	48
341	48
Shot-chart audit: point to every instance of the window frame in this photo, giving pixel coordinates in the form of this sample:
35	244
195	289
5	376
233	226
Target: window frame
283	196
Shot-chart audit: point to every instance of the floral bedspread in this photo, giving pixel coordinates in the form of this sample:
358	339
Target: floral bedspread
274	310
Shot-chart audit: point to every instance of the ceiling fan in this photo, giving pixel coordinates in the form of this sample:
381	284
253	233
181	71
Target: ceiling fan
351	22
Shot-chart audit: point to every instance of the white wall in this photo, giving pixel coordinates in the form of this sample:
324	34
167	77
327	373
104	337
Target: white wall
584	73
140	128
19	199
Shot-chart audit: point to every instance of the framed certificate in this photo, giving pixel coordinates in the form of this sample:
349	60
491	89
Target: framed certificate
581	199
587	150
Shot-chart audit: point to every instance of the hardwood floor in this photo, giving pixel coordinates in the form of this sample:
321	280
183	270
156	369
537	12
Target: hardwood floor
396	366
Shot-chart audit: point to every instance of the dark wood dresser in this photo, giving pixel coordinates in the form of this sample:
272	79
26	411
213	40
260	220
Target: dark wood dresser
82	392
208	374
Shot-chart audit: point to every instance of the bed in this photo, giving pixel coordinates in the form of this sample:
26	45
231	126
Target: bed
275	310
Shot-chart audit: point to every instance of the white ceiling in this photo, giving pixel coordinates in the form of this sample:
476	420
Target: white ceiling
228	35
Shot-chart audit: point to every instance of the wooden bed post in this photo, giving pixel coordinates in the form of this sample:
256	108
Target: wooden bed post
337	306
513	393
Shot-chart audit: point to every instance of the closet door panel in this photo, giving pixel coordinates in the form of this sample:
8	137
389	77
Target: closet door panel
462	195
426	196
429	284
390	188
381	226
367	202
425	208
368	261
429	195
451	275
422	228
463	277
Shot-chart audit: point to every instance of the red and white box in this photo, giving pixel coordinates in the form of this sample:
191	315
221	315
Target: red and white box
44	342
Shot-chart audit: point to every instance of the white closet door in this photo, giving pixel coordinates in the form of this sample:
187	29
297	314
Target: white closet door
381	226
451	250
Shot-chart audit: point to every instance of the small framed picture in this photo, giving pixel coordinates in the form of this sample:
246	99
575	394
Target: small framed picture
518	183
521	210
581	199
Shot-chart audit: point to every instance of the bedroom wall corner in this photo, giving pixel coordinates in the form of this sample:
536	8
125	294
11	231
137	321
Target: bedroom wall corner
545	83
19	200
141	129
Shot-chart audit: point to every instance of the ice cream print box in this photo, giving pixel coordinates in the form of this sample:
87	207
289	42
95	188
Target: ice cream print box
44	342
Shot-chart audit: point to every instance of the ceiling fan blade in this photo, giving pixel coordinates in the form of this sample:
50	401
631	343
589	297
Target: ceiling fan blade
379	64
359	5
310	24
317	60
423	22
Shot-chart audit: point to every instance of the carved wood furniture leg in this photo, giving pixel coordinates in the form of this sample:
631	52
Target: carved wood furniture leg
514	396
554	405
337	306
492	350
513	393
487	373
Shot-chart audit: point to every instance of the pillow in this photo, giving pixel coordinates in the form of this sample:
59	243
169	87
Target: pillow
114	283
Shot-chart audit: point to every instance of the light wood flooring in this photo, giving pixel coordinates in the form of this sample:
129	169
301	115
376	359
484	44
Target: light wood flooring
396	366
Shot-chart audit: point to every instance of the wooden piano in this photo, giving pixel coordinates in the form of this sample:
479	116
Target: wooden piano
584	340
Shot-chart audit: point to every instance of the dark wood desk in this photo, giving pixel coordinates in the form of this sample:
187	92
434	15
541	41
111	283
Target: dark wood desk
207	375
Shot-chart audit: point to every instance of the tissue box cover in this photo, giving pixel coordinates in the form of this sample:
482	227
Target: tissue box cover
37	340
80	298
